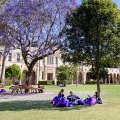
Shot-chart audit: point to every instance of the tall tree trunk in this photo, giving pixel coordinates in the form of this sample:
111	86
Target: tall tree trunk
98	79
2	71
98	70
28	78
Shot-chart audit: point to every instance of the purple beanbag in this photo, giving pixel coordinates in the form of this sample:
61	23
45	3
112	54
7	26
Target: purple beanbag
81	102
55	100
2	91
90	101
64	103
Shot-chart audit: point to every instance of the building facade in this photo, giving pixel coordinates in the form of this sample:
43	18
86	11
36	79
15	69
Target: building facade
46	69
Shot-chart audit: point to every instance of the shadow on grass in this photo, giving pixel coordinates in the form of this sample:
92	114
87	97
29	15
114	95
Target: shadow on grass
36	105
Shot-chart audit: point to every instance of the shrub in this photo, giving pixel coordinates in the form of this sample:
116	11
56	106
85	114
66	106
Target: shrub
64	74
48	82
42	82
8	82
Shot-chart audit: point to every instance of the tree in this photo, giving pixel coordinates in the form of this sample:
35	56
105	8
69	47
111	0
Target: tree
38	26
103	74
75	72
92	30
13	72
2	1
64	74
6	44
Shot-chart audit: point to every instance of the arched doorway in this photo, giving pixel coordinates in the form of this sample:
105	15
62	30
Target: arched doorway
80	78
88	79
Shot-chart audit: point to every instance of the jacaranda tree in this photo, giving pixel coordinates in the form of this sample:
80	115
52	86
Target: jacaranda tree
6	43
37	27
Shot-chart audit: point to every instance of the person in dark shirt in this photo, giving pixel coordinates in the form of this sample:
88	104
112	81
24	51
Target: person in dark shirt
60	93
72	97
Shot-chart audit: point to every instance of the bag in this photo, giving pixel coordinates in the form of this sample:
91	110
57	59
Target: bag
99	100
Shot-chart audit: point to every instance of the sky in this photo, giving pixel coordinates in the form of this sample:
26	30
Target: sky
116	1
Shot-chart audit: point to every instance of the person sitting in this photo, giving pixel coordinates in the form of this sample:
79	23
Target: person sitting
57	98
62	85
2	91
90	100
61	93
72	97
99	100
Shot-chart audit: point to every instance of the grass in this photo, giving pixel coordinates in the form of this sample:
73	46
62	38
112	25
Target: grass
42	110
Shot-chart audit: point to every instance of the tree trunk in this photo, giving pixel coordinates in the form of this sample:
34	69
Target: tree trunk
98	70
76	79
98	79
2	71
28	78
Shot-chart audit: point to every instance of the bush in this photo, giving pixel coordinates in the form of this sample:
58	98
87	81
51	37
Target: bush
48	82
8	82
90	82
42	82
64	74
93	82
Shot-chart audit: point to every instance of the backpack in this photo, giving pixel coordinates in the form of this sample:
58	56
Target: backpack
99	100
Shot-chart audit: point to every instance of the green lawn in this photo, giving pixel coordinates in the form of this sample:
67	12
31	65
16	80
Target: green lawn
36	110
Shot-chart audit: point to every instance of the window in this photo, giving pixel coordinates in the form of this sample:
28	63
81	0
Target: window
18	57
56	60
50	60
49	76
10	57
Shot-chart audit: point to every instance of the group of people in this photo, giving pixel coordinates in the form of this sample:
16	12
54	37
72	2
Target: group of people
61	101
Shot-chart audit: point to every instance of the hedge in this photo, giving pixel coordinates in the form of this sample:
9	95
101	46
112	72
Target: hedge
48	82
8	82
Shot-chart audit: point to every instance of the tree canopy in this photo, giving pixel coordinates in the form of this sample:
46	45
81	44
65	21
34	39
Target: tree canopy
64	74
37	27
102	75
92	30
13	72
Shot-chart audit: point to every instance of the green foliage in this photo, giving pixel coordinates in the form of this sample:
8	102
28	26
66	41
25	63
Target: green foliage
42	82
48	82
92	31
103	74
13	71
8	82
64	74
2	1
90	82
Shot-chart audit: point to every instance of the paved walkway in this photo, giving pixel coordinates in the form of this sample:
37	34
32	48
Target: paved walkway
30	96
47	95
